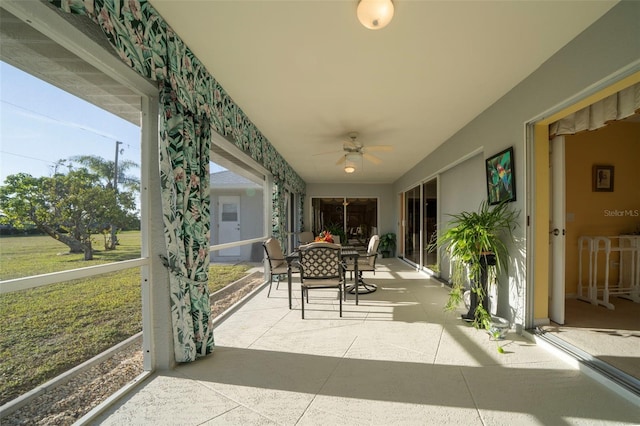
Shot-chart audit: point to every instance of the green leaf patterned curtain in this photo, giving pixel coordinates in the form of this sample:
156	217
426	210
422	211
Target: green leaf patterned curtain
193	105
184	173
279	215
300	207
145	43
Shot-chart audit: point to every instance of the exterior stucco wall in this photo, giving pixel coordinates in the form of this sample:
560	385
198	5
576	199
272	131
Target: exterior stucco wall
460	186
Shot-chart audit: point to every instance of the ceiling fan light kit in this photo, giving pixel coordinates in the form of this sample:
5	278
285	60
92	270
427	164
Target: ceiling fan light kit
353	153
349	163
375	14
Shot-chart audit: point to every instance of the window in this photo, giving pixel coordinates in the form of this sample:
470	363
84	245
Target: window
82	163
238	206
74	143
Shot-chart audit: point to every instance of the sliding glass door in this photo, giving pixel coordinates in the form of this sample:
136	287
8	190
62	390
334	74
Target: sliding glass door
430	223
420	219
353	219
412	228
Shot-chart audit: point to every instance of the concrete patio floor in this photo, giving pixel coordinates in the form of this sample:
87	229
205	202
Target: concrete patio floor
397	358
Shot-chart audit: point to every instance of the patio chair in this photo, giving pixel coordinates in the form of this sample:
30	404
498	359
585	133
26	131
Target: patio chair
366	263
277	262
306	237
320	267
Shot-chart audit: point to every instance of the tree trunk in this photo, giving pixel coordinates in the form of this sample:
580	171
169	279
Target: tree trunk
88	250
74	245
114	238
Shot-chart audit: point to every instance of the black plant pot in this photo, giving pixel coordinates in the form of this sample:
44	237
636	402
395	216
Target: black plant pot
485	261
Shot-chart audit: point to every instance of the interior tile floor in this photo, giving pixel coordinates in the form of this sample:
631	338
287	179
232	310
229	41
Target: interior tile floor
396	358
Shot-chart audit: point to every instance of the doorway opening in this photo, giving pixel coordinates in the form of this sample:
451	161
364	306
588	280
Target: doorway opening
605	331
578	210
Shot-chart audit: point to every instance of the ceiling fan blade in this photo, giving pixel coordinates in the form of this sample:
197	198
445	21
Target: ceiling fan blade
379	148
372	158
341	160
327	152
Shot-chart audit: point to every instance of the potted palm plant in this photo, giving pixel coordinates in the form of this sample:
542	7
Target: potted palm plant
474	241
387	244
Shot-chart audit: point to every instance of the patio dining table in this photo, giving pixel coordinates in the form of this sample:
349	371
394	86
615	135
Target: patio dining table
346	252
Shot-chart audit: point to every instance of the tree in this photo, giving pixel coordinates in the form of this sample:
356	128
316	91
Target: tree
68	207
105	169
113	174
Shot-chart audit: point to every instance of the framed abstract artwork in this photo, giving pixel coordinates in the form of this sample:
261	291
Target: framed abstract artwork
501	177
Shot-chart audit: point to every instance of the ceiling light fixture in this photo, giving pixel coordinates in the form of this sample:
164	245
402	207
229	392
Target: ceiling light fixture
349	164
375	14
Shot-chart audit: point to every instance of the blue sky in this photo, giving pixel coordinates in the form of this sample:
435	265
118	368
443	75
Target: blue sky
40	124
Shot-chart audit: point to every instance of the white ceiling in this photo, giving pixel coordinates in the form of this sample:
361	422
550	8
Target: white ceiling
307	73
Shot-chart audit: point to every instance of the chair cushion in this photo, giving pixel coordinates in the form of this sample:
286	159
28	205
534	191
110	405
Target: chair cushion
374	242
372	252
306	237
274	253
282	269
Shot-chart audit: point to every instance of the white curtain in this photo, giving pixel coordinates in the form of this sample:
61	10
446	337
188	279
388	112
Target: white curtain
618	106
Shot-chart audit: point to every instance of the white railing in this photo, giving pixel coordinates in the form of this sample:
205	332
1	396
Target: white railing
34	281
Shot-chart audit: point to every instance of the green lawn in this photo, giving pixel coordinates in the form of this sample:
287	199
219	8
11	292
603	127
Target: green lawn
50	329
38	254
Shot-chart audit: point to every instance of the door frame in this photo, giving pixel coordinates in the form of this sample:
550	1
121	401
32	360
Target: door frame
538	188
557	231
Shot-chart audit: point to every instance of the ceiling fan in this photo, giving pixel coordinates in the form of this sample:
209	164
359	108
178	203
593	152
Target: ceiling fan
353	150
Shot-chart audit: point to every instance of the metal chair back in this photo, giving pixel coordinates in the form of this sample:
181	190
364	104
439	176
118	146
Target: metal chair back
320	261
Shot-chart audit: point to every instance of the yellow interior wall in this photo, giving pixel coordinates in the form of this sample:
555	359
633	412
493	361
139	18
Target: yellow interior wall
600	213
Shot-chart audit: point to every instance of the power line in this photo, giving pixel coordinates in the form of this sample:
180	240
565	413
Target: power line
40	115
26	156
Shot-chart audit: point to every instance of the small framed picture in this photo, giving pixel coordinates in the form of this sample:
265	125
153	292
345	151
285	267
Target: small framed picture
602	178
501	177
